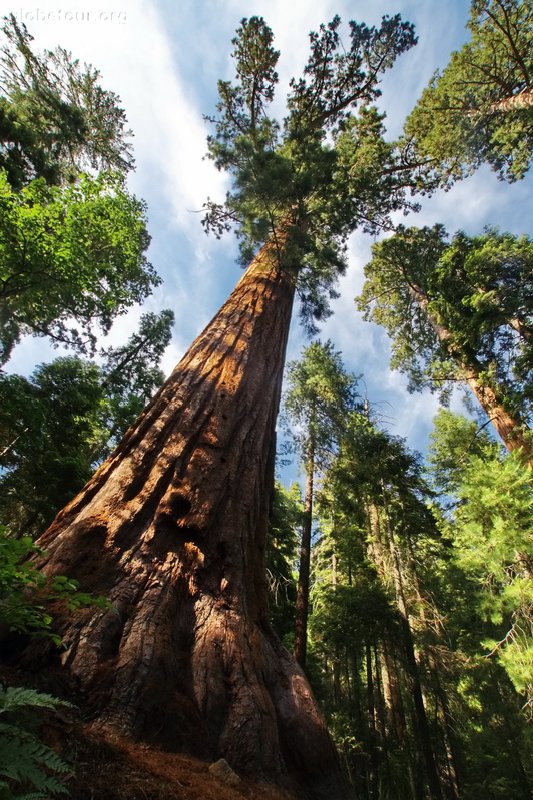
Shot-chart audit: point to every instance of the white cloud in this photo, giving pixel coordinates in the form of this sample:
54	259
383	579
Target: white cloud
135	58
164	61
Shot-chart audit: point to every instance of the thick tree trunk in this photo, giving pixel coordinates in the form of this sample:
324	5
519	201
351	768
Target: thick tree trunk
521	100
507	427
302	598
171	529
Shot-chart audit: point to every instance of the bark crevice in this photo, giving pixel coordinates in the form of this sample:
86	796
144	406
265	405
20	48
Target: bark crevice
172	529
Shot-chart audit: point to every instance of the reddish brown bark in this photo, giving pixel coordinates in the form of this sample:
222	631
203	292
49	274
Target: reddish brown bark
392	696
521	100
508	427
172	529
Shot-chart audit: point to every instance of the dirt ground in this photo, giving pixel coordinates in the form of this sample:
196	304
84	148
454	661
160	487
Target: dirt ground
108	768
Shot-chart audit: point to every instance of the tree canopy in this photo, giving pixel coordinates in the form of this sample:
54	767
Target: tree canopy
480	107
305	183
55	119
71	258
491	529
457	309
57	425
318	397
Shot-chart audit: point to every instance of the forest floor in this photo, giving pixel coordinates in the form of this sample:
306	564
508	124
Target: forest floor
106	767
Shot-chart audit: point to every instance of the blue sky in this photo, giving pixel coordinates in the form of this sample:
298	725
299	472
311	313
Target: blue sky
164	58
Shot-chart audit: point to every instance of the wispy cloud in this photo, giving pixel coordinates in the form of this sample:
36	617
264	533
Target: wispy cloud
163	58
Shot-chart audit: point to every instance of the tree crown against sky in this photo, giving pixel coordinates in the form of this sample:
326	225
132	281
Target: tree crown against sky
306	183
73	241
475	289
71	258
480	107
55	119
319	395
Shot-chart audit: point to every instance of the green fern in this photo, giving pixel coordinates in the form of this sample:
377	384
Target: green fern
26	763
15	697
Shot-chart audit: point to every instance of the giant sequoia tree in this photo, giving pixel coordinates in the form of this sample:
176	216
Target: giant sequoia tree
172	525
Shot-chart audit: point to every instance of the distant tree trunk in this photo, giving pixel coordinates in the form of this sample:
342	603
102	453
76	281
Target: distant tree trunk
507	426
372	730
302	598
435	668
393	696
514	102
385	773
521	100
450	739
422	733
172	529
397	724
370	693
383	555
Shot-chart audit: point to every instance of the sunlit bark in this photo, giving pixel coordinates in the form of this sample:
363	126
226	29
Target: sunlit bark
172	529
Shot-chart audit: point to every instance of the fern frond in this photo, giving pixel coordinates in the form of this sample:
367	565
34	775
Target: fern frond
15	697
24	759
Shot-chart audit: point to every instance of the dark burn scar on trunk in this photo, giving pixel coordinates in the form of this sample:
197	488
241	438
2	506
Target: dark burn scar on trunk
175	506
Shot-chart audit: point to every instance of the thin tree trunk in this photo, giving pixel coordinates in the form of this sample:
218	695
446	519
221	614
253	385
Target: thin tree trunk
434	666
372	772
398	725
385	773
12	444
420	718
450	739
382	557
172	529
302	598
337	689
393	697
